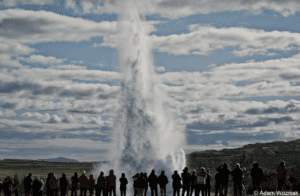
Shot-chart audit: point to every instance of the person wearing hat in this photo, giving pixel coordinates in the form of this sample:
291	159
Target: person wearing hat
193	182
84	183
186	181
237	177
201	177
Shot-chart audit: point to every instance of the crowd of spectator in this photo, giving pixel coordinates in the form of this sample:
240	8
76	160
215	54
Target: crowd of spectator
197	182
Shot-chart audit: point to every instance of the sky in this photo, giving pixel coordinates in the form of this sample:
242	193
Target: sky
230	69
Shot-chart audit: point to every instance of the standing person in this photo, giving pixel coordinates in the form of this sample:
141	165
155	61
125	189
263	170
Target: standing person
176	183
281	175
293	180
186	181
63	182
7	186
207	183
224	179
135	183
74	180
91	184
163	181
84	183
100	184
1	186
193	182
123	183
257	175
106	189
153	181
218	180
53	185
201	177
146	184
27	184
16	185
141	184
237	175
112	183
36	186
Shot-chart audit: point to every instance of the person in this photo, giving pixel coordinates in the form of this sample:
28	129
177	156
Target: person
257	175
153	181
146	184
7	186
186	180
193	182
201	177
123	183
281	175
63	182
237	176
224	179
91	184
74	180
1	186
141	184
100	184
163	181
84	184
106	187
27	184
53	185
112	182
36	186
176	183
16	185
218	180
207	183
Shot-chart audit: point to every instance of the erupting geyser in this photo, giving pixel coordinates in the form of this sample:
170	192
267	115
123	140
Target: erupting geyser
145	136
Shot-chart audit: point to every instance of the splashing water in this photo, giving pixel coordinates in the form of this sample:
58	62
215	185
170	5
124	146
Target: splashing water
145	136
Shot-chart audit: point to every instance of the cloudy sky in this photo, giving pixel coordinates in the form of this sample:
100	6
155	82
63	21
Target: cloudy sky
230	70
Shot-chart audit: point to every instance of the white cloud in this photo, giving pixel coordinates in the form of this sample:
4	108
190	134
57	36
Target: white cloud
160	68
213	65
99	64
68	67
42	59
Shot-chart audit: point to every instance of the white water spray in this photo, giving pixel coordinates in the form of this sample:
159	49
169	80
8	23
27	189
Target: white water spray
145	135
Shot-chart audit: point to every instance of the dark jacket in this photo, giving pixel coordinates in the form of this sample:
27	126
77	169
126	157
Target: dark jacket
111	180
224	176
186	179
163	181
74	182
27	184
123	183
282	172
176	181
91	183
237	175
84	182
63	182
153	180
257	175
37	185
101	181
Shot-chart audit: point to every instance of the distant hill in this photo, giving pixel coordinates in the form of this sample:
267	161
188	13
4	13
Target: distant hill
268	155
59	159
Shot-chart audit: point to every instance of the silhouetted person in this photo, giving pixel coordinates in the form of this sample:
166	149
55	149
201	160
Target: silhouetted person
163	181
186	181
106	187
146	184
36	186
7	186
27	184
16	185
294	180
153	181
135	183
207	183
176	183
237	177
224	179
218	179
84	183
112	183
53	185
201	177
100	184
281	175
74	180
63	182
257	175
141	184
1	186
91	184
123	183
193	182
